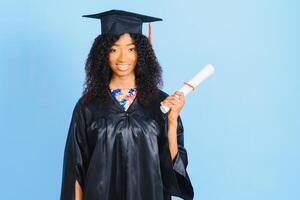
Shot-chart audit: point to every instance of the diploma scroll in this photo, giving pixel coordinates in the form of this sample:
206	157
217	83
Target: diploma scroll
193	83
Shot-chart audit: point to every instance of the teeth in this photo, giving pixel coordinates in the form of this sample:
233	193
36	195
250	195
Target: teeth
122	66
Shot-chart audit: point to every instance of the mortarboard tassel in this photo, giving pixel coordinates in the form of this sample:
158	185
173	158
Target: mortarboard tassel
150	33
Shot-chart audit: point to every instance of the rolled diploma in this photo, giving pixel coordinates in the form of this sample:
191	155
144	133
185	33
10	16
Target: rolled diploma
195	81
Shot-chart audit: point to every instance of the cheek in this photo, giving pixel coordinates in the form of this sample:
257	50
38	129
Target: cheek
134	58
111	59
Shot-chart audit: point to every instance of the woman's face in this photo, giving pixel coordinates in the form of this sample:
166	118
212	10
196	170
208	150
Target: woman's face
123	56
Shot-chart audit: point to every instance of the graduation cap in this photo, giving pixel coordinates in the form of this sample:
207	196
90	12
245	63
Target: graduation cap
118	22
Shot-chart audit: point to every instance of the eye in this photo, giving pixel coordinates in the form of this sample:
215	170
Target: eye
131	49
113	50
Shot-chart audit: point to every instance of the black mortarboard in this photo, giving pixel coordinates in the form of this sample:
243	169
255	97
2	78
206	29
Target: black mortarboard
118	21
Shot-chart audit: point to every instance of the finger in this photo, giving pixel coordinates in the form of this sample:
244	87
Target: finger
168	98
173	98
176	97
163	103
175	102
179	94
167	102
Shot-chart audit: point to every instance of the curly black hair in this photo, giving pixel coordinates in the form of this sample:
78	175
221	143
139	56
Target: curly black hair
148	72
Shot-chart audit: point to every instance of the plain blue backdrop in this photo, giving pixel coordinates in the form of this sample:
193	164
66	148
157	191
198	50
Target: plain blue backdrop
241	125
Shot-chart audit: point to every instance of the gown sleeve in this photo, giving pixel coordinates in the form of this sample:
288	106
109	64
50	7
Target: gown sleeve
175	177
75	155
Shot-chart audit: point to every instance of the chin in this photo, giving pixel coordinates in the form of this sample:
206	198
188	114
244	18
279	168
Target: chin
123	73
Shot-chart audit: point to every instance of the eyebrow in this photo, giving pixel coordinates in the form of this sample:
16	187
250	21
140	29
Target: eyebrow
126	44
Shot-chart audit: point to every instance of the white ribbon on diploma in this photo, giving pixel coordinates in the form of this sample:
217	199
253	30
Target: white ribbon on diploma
193	83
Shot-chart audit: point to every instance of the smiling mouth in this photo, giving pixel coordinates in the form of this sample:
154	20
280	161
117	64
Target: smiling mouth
122	67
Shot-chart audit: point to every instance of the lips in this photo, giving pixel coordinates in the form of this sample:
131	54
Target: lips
123	67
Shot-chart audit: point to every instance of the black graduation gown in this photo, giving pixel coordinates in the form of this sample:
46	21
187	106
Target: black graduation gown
123	155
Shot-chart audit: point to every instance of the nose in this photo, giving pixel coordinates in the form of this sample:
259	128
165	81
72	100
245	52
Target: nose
123	55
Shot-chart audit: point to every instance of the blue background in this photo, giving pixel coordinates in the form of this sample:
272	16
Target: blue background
241	125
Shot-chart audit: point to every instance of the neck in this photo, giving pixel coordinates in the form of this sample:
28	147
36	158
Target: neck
122	82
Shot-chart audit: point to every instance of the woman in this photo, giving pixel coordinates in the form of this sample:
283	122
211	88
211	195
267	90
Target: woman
119	145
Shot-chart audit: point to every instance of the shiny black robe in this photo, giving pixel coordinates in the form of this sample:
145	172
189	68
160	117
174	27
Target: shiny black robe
123	155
